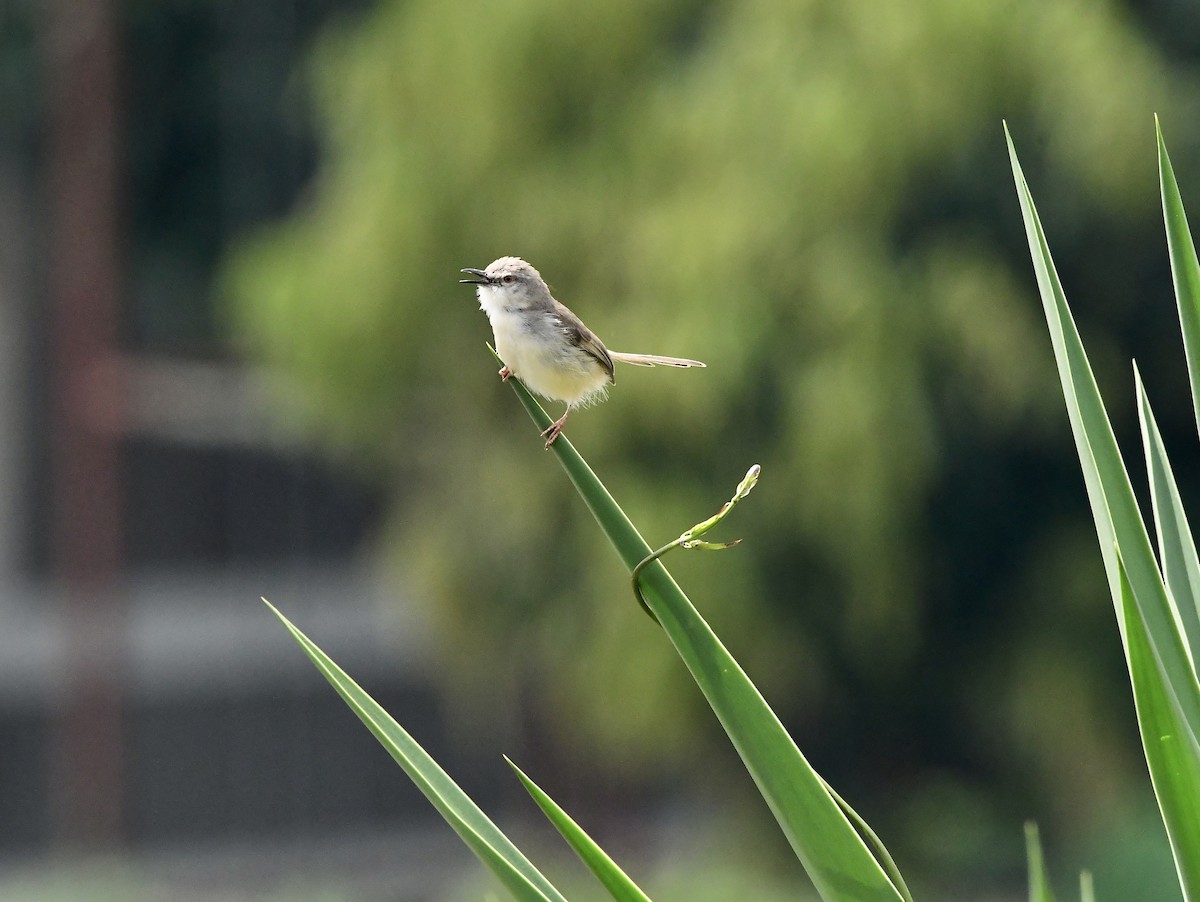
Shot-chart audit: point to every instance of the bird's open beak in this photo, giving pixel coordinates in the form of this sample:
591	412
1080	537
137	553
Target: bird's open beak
482	280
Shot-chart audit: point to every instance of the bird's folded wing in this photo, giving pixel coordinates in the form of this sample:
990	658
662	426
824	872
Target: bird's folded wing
584	339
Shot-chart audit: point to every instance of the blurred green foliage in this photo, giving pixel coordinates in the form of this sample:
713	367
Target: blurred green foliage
813	198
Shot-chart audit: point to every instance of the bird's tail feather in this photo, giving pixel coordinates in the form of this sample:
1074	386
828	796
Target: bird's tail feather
653	360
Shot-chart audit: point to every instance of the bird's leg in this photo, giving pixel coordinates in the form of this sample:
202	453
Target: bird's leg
505	374
556	428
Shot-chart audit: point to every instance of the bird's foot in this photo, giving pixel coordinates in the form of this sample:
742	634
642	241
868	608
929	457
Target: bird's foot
505	374
555	430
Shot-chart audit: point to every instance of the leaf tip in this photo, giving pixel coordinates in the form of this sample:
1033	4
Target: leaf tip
1164	160
1018	175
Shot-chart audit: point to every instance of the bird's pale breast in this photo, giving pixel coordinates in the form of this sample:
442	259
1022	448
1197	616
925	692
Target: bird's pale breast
545	363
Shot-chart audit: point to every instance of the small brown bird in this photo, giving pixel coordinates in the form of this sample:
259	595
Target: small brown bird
544	344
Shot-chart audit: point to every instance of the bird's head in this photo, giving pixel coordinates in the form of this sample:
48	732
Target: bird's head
508	282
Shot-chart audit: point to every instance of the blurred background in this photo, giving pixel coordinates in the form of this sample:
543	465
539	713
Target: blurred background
235	362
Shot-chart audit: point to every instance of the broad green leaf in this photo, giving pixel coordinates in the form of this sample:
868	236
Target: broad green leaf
1176	547
1114	508
1185	270
483	837
837	860
615	880
1039	883
1172	752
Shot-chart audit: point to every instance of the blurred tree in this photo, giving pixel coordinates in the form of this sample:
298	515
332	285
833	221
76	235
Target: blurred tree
813	197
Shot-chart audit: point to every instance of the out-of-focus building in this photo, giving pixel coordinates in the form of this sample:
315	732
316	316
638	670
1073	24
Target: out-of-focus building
149	494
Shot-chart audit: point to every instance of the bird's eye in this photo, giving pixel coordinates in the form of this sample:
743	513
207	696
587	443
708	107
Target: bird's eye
507	280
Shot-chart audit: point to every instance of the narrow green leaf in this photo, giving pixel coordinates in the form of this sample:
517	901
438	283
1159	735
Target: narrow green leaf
1087	891
882	855
615	880
483	837
1114	507
1185	270
1039	883
837	860
1171	749
1176	547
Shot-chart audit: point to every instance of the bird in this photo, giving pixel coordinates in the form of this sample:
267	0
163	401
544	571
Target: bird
544	344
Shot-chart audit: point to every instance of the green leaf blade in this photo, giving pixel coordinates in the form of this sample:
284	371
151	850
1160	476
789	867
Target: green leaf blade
482	836
1172	753
615	880
1118	520
835	856
1039	881
1087	888
1176	547
1185	269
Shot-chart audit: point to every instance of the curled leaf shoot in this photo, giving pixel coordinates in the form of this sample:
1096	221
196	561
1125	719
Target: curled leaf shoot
691	537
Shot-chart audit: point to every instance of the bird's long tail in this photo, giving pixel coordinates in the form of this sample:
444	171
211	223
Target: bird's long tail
653	360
